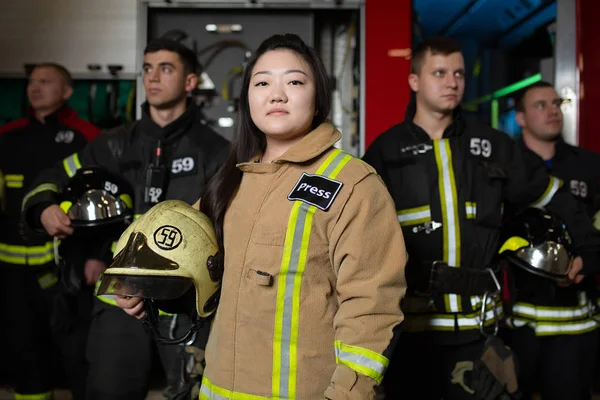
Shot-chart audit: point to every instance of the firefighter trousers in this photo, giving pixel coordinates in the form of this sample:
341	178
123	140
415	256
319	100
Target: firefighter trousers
39	356
421	365
557	367
120	353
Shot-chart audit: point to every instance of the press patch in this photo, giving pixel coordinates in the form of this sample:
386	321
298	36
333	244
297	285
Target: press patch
315	190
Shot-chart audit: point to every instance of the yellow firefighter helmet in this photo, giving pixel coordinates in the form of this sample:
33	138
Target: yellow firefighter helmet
170	252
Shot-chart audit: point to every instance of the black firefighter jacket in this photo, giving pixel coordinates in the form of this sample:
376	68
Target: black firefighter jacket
27	146
543	306
191	152
450	195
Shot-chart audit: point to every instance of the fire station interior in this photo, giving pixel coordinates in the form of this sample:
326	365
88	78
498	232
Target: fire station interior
507	45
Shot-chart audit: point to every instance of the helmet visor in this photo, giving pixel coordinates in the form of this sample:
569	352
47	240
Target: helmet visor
148	287
138	257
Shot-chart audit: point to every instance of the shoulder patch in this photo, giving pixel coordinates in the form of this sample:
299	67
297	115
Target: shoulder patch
316	190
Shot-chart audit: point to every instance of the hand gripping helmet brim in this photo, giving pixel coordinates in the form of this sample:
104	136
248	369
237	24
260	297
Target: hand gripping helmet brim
165	253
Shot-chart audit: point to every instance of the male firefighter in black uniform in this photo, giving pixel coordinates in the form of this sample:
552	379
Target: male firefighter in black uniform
50	133
449	180
554	334
169	154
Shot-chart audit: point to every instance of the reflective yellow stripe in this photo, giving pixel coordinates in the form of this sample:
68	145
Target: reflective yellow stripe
38	189
554	314
37	396
450	221
420	315
471	209
554	328
210	391
71	164
14	181
552	188
449	322
361	360
47	280
14	177
285	337
27	255
414	216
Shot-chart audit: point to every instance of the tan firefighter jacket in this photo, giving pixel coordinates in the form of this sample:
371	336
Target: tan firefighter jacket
314	275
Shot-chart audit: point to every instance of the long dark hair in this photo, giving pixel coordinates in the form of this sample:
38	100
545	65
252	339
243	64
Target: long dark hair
248	140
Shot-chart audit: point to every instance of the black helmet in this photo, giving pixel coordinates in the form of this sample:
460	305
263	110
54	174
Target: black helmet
537	241
100	206
95	197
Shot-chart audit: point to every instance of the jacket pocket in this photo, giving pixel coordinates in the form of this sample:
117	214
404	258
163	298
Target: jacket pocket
488	180
261	278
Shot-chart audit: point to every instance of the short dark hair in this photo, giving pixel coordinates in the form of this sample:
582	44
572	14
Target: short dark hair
435	45
520	96
187	56
64	73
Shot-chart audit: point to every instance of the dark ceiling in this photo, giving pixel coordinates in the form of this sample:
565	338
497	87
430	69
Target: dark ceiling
493	23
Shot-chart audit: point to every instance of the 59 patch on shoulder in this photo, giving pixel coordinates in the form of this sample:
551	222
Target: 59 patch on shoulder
315	190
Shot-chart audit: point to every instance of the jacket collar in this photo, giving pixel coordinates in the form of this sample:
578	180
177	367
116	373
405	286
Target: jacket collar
312	145
560	150
58	117
456	128
169	132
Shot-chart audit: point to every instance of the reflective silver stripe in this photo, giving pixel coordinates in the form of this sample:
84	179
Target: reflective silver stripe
414	216
553	314
71	164
39	255
554	328
448	322
421	315
448	198
552	188
38	189
27	255
361	360
471	209
293	263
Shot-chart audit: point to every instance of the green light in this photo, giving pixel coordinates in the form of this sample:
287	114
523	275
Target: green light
495	113
517	86
504	91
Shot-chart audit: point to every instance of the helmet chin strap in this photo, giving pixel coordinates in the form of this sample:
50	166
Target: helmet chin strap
151	321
